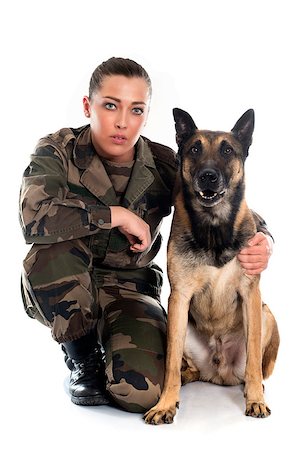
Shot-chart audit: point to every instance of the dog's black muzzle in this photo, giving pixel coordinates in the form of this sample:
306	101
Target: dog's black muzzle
209	186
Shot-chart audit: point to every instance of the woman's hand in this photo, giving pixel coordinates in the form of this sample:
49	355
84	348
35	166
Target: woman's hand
254	258
132	226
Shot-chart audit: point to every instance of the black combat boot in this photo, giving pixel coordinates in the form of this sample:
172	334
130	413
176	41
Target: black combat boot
88	380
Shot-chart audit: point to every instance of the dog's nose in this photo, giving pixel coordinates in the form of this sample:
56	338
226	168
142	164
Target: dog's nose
208	175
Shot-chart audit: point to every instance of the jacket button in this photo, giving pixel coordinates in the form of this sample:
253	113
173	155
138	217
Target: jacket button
100	221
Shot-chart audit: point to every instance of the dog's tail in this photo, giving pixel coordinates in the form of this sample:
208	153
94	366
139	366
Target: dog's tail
271	350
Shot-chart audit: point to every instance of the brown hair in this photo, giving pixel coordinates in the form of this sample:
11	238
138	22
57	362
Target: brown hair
117	66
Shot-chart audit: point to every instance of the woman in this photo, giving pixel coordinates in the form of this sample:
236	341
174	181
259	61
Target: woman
92	202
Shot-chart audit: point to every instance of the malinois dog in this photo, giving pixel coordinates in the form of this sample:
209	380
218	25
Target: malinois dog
218	329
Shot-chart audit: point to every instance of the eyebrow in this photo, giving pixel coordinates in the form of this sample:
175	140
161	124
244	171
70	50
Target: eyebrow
119	100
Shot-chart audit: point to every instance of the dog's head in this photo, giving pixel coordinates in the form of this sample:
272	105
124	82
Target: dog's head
212	162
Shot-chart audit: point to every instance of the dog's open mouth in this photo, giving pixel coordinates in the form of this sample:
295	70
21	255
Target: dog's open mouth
209	197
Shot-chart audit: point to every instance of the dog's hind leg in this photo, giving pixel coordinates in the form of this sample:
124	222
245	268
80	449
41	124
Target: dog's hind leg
189	372
252	314
270	342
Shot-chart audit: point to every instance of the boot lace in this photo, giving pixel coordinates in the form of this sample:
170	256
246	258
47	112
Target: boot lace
90	366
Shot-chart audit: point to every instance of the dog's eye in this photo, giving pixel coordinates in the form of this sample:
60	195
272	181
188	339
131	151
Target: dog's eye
194	150
227	151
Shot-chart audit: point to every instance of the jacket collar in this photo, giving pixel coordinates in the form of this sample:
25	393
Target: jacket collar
83	152
95	178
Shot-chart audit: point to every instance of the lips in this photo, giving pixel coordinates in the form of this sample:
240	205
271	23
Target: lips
119	139
209	197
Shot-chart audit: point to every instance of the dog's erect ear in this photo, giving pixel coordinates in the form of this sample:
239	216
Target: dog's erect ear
184	125
243	129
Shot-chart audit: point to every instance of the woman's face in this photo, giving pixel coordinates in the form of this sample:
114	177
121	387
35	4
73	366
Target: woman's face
118	112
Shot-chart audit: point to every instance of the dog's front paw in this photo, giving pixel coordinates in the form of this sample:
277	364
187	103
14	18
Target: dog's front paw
257	409
158	415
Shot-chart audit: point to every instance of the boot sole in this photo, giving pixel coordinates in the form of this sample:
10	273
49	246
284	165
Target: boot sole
90	401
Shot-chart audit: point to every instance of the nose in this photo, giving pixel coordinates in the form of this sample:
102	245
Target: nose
208	176
121	120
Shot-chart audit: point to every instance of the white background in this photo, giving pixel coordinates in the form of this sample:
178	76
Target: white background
214	59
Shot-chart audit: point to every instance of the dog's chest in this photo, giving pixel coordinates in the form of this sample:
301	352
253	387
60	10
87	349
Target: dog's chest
207	252
216	307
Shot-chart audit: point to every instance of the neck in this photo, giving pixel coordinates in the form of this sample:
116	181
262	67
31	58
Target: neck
213	228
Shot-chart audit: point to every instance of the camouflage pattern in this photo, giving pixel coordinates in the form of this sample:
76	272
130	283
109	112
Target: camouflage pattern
119	174
58	290
261	224
64	291
66	193
133	334
80	273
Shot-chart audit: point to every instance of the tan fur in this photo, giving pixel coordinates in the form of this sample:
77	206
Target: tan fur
231	337
225	321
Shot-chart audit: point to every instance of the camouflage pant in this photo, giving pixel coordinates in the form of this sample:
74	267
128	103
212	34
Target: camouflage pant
63	289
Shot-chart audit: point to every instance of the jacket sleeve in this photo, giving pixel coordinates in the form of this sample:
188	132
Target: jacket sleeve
48	211
261	224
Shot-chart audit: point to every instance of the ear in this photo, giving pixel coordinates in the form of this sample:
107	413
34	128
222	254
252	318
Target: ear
86	106
184	125
243	129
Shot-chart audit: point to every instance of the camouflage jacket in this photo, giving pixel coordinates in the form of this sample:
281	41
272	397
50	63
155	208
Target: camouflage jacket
66	194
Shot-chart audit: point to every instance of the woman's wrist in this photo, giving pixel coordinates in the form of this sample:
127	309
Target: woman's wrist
115	216
118	216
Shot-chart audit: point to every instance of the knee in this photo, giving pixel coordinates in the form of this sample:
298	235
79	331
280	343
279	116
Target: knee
58	290
136	387
132	399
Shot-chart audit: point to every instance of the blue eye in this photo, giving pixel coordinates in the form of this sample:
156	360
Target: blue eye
110	106
138	111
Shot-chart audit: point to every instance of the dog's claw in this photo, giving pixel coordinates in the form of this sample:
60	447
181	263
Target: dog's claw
156	416
168	419
258	410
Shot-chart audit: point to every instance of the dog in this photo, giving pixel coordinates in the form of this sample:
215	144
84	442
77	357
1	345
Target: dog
218	328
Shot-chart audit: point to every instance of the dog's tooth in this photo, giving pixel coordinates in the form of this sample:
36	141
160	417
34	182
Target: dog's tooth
208	197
